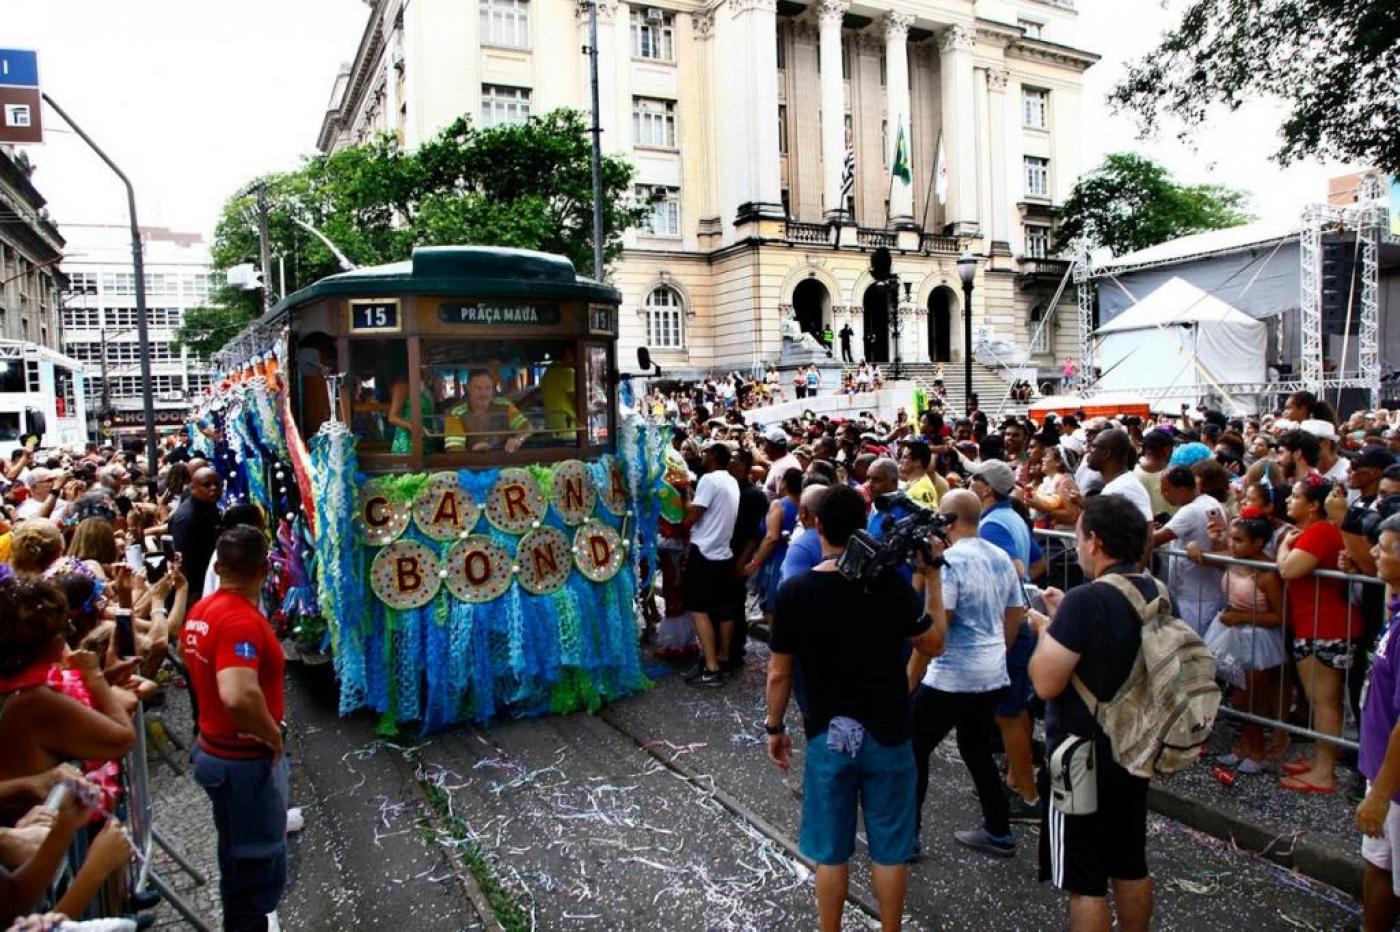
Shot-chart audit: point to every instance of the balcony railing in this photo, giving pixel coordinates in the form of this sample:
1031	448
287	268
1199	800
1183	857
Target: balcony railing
795	231
941	245
1042	268
869	237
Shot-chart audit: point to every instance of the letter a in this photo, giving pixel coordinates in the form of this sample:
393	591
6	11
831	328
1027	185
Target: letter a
447	510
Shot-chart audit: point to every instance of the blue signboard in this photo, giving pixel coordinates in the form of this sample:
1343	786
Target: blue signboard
19	68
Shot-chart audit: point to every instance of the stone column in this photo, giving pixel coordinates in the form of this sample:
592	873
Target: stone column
829	14
959	127
998	224
896	29
749	159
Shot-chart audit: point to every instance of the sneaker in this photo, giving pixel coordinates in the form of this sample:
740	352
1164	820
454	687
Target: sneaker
1022	811
295	820
695	672
1002	846
710	678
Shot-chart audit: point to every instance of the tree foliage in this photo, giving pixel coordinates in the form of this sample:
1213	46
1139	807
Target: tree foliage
1333	64
527	186
1131	202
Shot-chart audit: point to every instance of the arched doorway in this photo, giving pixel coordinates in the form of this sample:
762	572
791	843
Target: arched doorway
941	304
876	324
810	303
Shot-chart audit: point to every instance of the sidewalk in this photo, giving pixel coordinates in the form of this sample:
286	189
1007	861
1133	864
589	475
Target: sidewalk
1314	835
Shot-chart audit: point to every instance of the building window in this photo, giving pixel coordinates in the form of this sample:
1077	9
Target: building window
502	105
652	34
665	313
77	318
782	49
665	205
1031	28
654	122
82	283
782	130
1040	335
845	59
883	64
122	282
1037	241
1037	176
1035	108
786	196
505	22
885	143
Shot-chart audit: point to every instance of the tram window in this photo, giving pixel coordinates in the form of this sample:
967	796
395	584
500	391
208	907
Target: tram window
598	371
11	375
379	382
500	395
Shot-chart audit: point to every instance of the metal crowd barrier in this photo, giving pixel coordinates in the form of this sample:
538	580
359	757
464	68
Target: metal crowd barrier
1062	570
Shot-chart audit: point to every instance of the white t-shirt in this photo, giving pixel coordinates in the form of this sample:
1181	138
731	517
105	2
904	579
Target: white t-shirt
1131	488
32	507
1339	472
773	484
718	493
979	585
1195	589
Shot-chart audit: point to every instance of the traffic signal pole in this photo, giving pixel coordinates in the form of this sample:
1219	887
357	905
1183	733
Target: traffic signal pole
139	268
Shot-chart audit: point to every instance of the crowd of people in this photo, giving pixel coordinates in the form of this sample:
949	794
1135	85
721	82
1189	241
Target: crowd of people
733	391
115	584
1003	621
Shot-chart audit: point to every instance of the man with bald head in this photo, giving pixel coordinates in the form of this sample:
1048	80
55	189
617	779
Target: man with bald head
960	688
196	526
805	549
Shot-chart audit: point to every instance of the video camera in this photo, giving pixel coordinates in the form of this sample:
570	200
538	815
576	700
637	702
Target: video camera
866	557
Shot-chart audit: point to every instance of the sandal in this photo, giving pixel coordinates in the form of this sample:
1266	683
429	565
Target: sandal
1296	766
1299	785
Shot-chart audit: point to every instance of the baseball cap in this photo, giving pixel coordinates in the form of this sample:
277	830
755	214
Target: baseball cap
1374	457
776	436
996	474
38	475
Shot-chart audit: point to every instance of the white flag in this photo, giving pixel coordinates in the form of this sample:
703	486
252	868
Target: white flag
848	175
940	173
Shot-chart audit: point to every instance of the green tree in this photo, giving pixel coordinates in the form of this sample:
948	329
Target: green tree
527	186
1333	64
1131	202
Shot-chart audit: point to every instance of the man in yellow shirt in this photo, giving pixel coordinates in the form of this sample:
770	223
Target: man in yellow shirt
485	421
920	485
558	390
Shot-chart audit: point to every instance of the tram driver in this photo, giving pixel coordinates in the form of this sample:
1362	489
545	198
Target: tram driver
485	420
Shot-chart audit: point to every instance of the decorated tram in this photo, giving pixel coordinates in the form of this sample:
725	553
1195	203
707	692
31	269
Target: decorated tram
459	504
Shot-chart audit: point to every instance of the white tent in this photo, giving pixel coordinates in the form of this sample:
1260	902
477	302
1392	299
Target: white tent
1175	342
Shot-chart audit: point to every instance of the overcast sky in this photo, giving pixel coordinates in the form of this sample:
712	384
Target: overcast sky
192	103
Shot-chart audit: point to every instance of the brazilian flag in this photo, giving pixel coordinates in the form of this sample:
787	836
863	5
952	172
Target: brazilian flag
901	156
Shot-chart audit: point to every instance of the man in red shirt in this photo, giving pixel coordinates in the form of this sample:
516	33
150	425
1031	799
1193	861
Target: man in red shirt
236	669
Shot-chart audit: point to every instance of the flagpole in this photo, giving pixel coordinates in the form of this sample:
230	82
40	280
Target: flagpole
932	181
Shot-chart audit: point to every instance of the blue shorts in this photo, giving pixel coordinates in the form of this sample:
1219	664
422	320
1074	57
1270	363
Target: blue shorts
881	777
1018	663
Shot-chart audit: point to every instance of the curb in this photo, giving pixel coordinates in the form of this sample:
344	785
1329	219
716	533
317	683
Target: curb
1319	856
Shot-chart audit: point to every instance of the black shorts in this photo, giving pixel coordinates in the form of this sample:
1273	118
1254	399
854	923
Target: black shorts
1080	854
709	586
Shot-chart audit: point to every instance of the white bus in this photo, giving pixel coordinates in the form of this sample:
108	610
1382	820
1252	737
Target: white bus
41	393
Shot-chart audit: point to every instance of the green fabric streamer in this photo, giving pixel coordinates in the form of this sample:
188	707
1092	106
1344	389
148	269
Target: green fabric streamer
544	478
574	691
401	489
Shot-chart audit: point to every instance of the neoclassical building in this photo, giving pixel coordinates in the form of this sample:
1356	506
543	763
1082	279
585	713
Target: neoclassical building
742	117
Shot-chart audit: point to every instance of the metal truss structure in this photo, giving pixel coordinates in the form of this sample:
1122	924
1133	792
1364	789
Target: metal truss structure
1367	221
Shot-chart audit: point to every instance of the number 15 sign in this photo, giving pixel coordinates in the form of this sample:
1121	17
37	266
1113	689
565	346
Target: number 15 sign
375	316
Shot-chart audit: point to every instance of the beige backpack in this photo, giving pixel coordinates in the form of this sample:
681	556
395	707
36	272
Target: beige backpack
1166	709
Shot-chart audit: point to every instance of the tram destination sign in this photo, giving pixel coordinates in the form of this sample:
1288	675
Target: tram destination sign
483	312
375	316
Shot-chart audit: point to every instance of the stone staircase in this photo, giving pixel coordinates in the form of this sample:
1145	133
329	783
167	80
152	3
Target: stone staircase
990	384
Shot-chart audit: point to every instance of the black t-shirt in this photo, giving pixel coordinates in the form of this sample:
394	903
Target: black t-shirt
850	646
1098	623
749	524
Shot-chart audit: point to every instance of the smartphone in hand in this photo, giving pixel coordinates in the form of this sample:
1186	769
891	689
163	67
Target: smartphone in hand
125	633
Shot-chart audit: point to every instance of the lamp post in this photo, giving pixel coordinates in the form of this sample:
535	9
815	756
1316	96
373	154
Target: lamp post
967	270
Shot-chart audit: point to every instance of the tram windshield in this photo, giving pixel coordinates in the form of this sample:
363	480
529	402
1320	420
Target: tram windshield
477	396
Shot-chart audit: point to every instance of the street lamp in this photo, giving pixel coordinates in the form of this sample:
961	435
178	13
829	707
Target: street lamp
967	270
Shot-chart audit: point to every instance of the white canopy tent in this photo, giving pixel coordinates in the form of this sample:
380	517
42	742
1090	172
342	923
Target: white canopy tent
1175	342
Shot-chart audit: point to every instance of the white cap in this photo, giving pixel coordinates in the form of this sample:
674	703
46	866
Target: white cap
1323	430
777	436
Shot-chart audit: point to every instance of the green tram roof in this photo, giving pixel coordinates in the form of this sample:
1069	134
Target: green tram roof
475	271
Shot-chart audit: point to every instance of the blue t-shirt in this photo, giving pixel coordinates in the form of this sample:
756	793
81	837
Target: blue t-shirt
802	555
979	585
1002	526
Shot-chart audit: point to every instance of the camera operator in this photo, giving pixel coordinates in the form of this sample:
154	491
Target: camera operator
967	678
847	637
